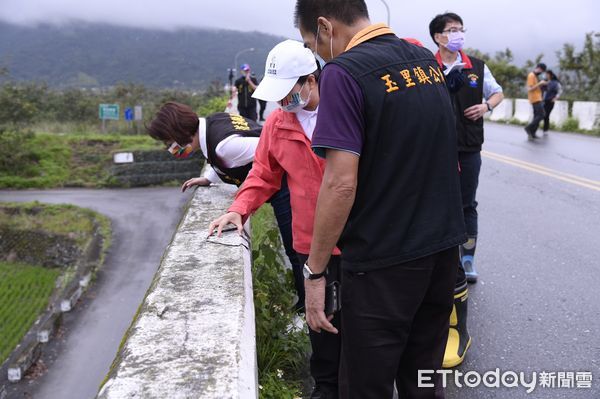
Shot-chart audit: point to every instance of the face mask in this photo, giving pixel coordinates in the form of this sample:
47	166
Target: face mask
320	60
542	76
295	102
456	41
180	152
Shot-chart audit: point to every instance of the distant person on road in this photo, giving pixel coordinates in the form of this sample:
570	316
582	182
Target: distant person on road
291	79
534	93
228	142
390	199
246	85
551	95
470	81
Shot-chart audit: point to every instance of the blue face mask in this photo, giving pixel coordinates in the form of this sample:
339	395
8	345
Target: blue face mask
294	103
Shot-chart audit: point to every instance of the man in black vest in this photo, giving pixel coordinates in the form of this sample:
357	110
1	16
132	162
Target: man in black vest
390	199
469	81
246	84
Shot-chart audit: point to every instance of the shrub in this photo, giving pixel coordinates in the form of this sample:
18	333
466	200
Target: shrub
212	105
570	125
17	154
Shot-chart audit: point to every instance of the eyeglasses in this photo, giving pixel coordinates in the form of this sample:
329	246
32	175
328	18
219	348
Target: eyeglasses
454	30
180	152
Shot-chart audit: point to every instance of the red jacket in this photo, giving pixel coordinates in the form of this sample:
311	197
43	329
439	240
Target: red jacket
284	148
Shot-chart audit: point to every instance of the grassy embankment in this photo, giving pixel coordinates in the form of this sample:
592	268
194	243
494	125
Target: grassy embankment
45	160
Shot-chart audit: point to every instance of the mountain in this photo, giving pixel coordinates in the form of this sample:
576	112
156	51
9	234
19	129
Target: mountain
99	55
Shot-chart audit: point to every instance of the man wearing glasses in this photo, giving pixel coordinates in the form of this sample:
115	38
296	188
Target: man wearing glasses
469	81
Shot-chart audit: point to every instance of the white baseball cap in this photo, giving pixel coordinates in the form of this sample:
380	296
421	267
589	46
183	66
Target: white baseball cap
286	62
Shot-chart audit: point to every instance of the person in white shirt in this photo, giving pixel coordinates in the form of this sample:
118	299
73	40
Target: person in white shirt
474	92
228	142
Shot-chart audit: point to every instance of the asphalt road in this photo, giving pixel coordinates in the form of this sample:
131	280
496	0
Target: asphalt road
537	305
143	222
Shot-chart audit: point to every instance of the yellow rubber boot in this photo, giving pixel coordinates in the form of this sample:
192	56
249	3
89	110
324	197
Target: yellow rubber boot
459	339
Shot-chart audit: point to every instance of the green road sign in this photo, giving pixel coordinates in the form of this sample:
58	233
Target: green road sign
108	111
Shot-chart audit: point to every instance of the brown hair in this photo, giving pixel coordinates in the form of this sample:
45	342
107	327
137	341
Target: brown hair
174	122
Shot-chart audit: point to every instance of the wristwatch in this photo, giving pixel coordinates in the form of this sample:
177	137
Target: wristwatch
309	275
489	106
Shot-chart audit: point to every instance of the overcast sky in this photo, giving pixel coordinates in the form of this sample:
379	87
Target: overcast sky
526	27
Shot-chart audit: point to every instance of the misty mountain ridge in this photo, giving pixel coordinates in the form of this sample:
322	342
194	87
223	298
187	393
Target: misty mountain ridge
101	55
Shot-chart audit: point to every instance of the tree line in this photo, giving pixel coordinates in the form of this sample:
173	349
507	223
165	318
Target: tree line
26	103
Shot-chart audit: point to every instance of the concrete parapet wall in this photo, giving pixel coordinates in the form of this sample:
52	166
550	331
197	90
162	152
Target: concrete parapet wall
523	110
587	113
560	113
194	333
504	111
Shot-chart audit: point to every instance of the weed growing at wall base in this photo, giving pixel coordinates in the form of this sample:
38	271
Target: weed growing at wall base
281	348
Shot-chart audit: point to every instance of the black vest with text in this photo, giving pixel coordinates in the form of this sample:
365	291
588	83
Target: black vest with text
408	202
470	133
219	126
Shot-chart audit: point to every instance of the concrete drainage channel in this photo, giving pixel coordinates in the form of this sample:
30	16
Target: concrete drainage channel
31	347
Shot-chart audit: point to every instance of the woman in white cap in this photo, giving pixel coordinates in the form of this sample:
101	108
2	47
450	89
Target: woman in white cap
291	79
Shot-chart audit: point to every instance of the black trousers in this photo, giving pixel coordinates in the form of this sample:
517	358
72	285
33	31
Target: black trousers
395	322
470	166
326	347
262	105
548	106
538	116
280	201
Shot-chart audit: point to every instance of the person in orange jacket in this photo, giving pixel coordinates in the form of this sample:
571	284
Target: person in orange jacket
291	79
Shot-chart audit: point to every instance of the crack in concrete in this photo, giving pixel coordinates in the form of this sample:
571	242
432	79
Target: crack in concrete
164	310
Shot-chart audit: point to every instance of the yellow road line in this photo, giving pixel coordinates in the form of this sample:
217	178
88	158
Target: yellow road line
566	177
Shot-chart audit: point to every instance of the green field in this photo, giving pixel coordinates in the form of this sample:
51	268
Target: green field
24	294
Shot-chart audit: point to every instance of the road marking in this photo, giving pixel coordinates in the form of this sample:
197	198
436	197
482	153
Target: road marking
566	177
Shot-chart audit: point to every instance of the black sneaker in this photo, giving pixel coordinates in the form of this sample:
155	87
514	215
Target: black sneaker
322	392
530	134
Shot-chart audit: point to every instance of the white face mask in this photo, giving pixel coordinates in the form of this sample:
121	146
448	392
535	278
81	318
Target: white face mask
294	103
320	59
